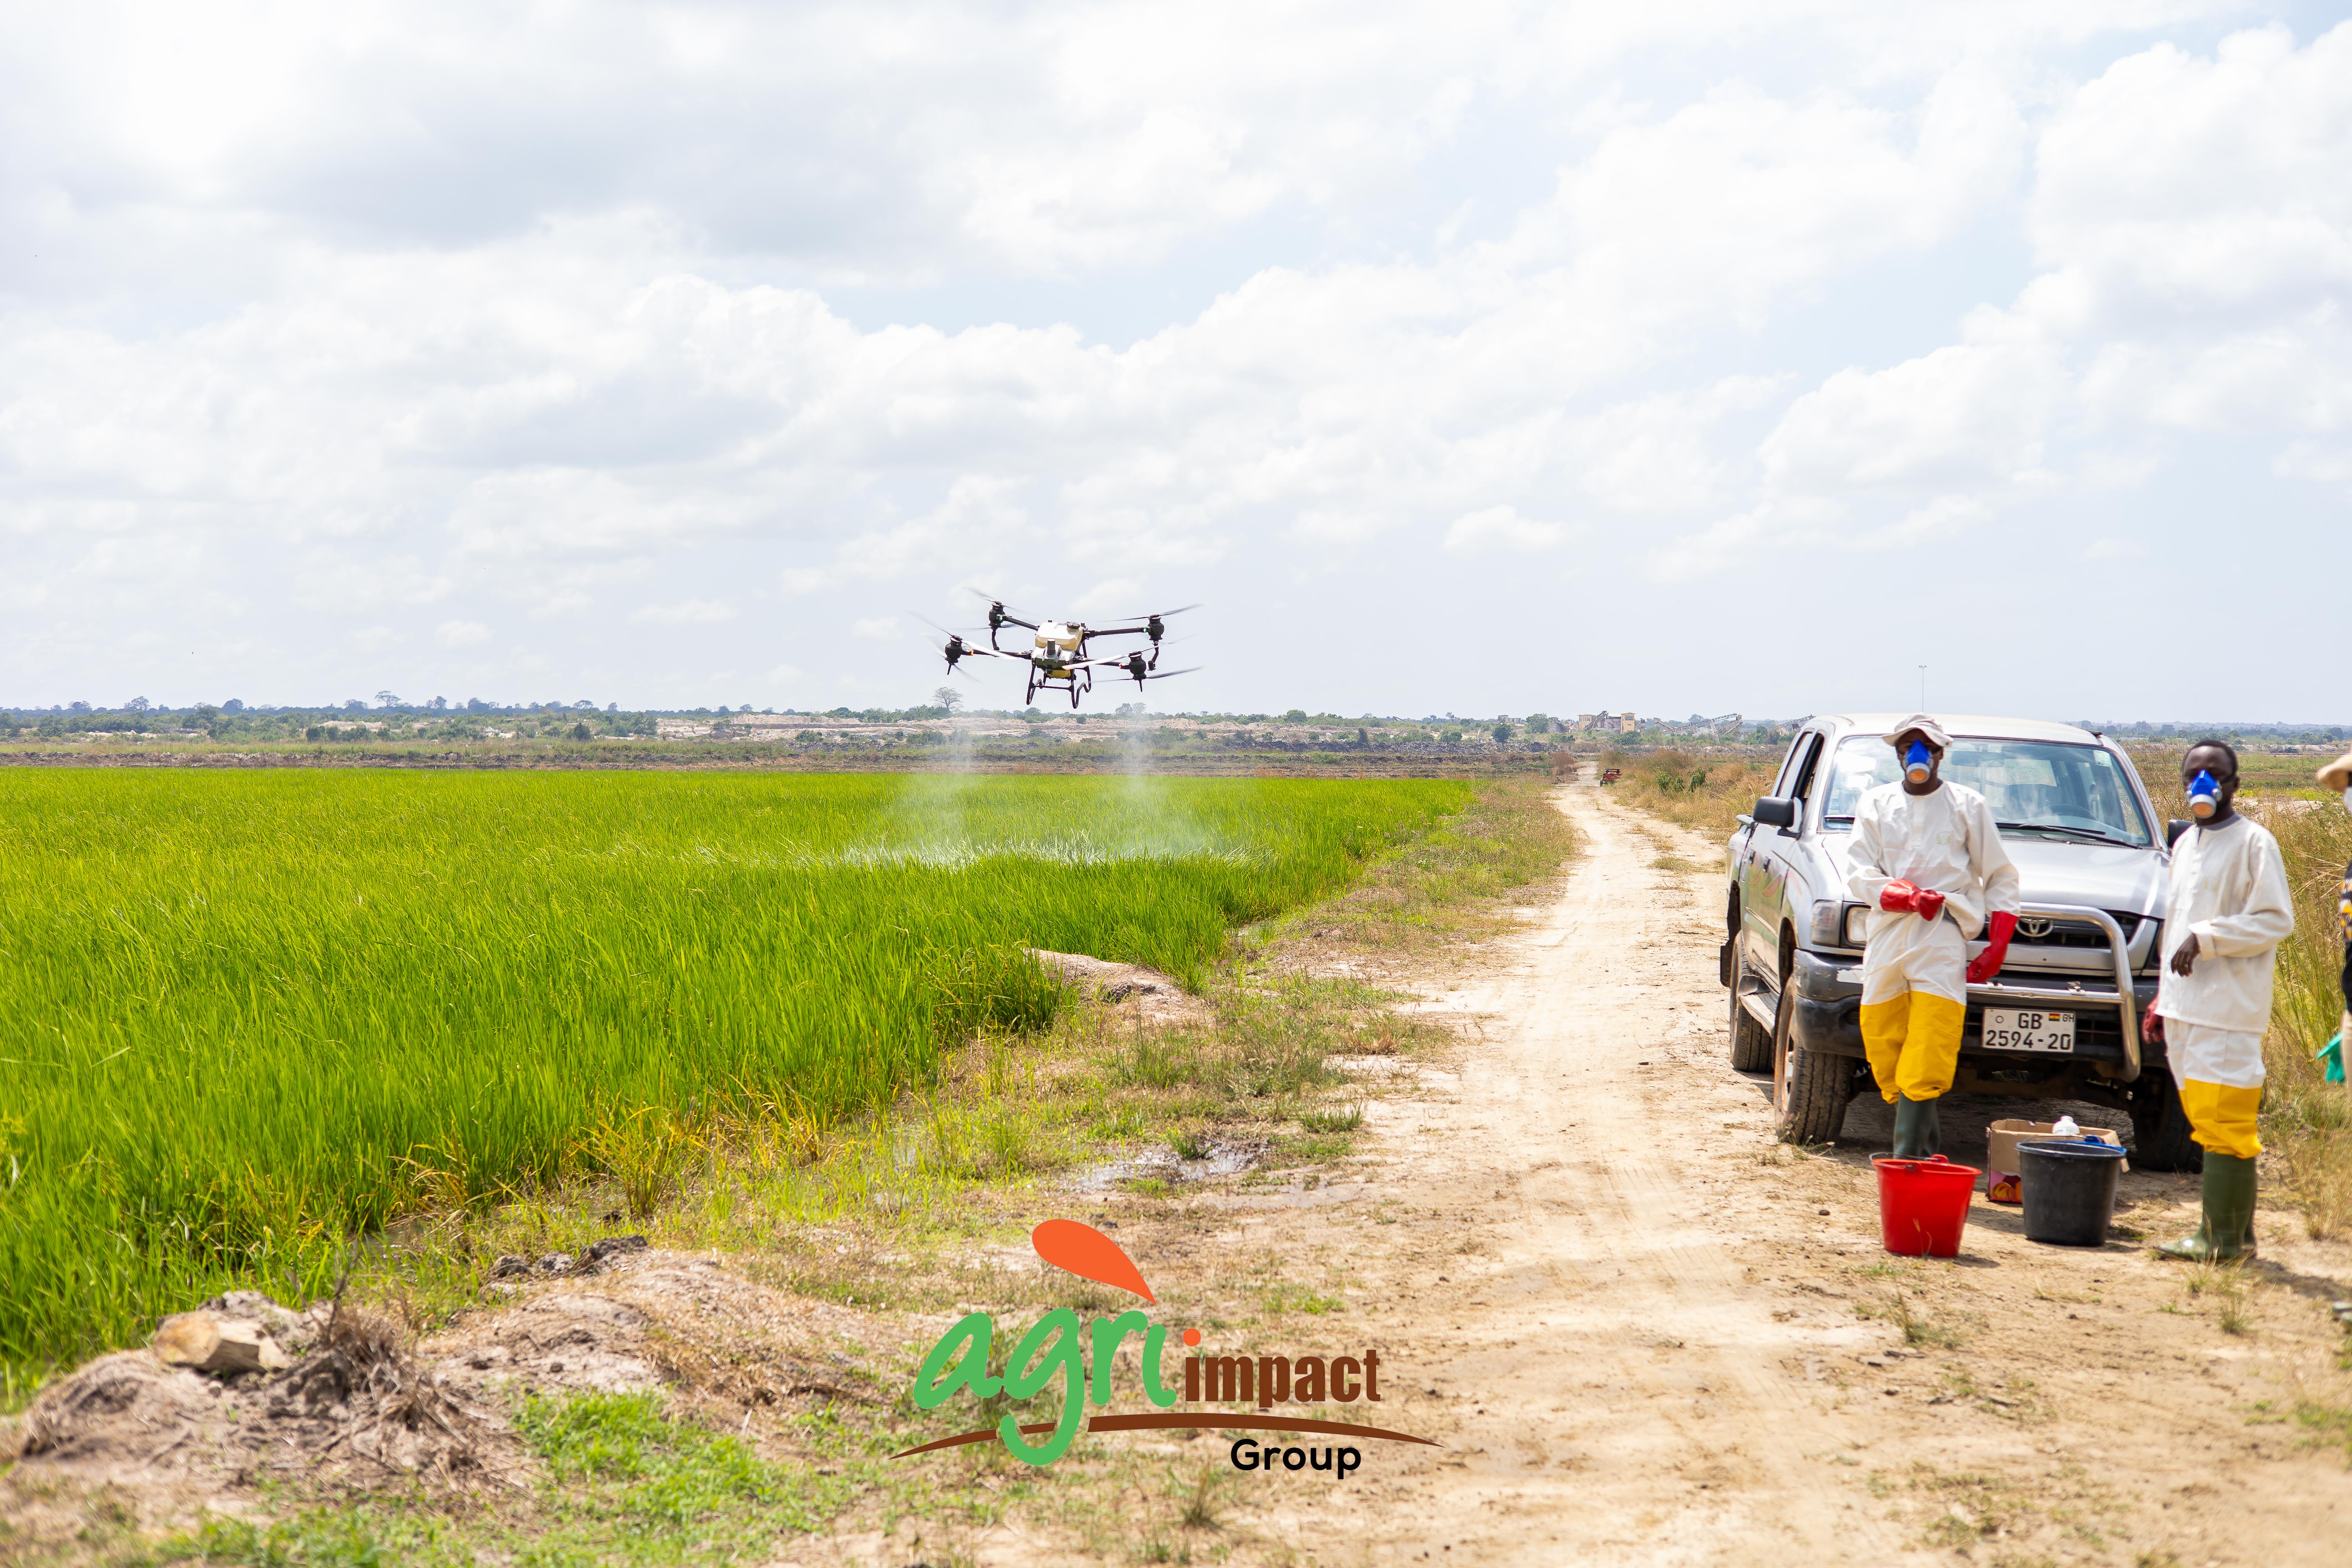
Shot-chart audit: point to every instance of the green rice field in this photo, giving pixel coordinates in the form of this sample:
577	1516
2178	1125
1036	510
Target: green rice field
247	1015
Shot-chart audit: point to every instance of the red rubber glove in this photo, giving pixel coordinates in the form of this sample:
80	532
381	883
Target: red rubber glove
1930	904
1899	896
2151	1024
1987	964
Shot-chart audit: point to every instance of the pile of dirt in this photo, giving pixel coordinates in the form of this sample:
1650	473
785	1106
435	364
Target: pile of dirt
365	1404
1155	997
357	1403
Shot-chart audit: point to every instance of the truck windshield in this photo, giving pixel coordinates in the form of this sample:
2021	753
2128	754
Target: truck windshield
2076	792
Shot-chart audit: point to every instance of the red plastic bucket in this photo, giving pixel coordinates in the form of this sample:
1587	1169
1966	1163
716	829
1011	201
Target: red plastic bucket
1923	1205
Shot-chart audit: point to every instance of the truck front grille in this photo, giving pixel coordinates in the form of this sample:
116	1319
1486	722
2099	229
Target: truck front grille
2078	933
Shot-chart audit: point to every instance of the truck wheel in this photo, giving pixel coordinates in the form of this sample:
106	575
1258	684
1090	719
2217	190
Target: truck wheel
2160	1130
1751	1043
1810	1089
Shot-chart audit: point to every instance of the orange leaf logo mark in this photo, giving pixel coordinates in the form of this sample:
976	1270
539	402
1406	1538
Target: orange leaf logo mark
1084	1251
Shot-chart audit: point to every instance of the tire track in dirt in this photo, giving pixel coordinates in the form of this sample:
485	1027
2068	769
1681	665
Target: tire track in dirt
1611	1386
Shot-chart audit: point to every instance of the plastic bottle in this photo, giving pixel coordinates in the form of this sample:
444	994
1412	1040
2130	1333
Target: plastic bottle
2067	1128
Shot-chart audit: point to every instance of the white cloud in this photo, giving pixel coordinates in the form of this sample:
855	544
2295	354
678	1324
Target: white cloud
1113	596
1501	528
344	316
2188	185
784	674
1970	414
1939	518
461	633
2319	464
684	613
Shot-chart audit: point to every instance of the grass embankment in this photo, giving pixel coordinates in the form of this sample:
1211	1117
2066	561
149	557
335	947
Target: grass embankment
244	1016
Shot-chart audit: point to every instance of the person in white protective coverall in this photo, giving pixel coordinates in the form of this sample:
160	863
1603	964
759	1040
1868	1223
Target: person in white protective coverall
2228	910
1926	857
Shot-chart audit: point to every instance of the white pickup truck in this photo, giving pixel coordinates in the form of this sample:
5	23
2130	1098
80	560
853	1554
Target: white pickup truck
2061	1021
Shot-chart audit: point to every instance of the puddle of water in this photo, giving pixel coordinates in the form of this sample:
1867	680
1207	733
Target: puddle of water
1165	1165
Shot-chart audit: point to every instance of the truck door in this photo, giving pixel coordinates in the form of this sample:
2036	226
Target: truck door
1765	899
1749	860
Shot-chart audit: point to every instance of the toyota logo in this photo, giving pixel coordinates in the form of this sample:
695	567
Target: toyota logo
2036	927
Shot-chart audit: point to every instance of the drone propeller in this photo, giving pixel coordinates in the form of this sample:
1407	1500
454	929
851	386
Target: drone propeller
1164	674
945	631
955	648
999	616
1155	621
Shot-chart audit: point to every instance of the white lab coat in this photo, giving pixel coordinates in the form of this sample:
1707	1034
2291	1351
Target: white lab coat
1946	841
2229	886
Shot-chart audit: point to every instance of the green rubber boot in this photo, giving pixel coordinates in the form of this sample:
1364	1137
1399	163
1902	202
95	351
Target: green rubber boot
1932	1119
1915	1123
2226	1231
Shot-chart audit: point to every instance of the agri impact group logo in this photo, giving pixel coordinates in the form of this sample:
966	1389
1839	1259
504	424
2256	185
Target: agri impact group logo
1083	1357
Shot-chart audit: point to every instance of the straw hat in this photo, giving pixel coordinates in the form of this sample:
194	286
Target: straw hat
2337	773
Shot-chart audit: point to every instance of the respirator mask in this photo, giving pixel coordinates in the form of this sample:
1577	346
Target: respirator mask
2205	795
1918	764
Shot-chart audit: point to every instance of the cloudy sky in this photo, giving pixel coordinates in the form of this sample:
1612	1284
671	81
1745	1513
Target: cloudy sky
1468	356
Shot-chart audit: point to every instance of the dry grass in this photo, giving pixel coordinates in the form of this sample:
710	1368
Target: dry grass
1450	885
2306	1121
1918	1329
2229	1288
1706	793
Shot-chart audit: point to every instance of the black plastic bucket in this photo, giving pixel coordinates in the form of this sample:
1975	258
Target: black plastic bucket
2069	1189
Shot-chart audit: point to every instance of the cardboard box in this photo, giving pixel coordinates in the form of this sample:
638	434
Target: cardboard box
2003	1182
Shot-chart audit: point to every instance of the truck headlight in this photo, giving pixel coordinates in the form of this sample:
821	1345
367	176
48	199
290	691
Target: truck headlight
1824	927
1857	924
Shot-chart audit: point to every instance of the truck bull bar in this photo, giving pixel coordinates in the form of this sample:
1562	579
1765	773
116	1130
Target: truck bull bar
2072	995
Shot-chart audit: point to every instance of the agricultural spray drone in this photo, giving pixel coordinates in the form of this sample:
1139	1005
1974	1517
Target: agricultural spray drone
1059	657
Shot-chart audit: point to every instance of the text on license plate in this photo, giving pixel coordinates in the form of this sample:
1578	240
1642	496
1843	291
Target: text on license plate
2016	1029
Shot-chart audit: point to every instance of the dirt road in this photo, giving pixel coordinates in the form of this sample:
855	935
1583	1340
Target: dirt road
1647	1333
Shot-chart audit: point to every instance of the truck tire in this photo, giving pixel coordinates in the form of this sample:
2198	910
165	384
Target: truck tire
1751	1043
2160	1130
1810	1089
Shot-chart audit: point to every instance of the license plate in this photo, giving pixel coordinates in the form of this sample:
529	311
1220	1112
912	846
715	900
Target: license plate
2015	1029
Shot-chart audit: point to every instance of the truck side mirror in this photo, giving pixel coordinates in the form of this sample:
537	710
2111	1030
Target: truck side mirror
1776	811
2174	829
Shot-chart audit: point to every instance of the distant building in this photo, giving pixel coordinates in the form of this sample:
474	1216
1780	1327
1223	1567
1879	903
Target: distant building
1623	723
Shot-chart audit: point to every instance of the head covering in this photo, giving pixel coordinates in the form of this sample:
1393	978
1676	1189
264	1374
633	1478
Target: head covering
1926	726
2337	773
